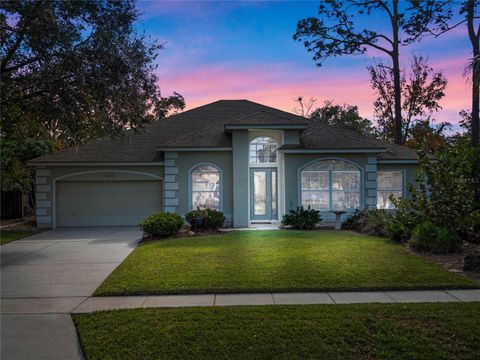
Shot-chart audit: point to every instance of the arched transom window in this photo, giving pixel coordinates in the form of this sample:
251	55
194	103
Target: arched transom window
330	185
263	150
206	187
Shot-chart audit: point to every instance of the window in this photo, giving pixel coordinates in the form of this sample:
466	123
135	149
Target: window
330	185
206	189
388	183
263	150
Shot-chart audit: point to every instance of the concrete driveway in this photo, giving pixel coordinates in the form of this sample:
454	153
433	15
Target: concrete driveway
47	275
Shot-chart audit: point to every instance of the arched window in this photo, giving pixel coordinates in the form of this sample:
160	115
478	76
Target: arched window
206	187
263	150
330	185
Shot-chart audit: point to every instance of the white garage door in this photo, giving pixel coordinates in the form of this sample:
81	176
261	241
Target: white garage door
106	203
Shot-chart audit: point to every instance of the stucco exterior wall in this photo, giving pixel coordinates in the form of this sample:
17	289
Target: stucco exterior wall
46	177
186	161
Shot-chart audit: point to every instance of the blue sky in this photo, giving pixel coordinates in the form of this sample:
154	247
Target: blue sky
218	50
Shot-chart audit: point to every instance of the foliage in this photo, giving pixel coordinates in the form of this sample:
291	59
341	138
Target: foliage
427	137
76	70
161	225
444	17
444	193
336	32
397	231
472	261
421	92
14	154
372	222
344	115
205	219
429	237
72	71
301	218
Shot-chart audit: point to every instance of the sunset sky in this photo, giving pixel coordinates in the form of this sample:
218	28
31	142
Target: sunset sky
245	50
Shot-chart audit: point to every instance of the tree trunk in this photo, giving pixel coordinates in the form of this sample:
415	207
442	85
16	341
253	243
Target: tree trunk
396	77
474	39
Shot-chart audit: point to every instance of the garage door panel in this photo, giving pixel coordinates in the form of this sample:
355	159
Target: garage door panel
107	203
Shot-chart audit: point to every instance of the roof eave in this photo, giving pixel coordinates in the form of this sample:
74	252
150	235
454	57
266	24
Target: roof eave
332	150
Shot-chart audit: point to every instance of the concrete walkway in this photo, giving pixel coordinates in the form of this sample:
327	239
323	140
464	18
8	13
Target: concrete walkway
130	302
44	277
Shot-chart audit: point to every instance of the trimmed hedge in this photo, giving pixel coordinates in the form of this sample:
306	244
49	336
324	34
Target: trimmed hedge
205	219
161	225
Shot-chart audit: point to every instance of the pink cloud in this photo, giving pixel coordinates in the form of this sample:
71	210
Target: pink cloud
277	84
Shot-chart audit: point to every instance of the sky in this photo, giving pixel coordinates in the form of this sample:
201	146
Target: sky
244	50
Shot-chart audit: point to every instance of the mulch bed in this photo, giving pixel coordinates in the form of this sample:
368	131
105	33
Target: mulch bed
453	262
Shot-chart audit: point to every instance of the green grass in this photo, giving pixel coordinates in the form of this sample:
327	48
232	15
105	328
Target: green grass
7	236
261	261
367	331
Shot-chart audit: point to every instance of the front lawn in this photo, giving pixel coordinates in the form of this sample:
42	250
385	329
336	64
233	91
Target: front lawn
7	236
373	331
261	261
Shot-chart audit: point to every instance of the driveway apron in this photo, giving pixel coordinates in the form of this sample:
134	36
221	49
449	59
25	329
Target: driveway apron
44	277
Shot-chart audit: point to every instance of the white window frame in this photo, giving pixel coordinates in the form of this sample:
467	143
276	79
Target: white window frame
193	171
330	189
392	190
254	160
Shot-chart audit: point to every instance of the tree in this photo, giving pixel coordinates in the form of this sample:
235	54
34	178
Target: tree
422	89
344	115
333	33
441	14
75	70
72	71
304	108
427	137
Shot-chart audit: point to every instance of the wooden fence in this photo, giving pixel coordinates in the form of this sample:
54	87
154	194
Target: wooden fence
11	205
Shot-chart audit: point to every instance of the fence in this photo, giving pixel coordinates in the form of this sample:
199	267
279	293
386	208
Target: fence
11	205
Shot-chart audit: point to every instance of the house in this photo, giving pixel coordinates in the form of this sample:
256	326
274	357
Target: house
251	161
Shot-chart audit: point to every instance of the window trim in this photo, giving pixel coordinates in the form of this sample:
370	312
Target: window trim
190	186
256	155
403	187
330	190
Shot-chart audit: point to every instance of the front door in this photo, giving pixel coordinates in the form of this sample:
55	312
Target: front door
263	194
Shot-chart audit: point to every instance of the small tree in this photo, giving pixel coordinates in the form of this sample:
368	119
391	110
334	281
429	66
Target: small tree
422	89
344	115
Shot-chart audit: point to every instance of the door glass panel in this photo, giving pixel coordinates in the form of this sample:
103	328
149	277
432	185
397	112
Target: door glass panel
274	193
259	193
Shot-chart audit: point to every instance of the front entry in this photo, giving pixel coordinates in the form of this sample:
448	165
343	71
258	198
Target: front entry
263	194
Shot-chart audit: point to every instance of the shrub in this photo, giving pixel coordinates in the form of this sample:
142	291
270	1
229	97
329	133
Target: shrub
356	221
472	262
368	221
205	219
430	238
161	225
396	231
301	218
377	221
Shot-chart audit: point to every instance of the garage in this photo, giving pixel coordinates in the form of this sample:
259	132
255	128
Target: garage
106	203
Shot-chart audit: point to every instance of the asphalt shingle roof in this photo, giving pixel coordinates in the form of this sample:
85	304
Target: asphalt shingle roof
204	126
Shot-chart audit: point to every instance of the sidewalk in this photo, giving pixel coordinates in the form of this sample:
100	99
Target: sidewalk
90	304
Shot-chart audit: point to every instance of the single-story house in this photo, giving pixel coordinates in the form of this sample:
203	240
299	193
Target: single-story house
251	161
